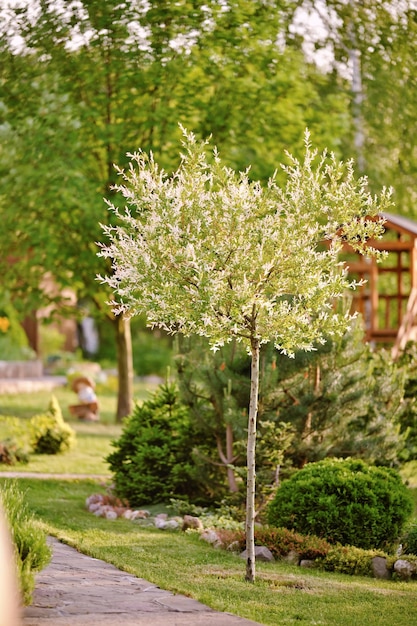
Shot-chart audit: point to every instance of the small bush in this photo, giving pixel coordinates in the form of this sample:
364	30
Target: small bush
31	549
280	542
49	434
409	539
152	461
344	501
11	453
349	560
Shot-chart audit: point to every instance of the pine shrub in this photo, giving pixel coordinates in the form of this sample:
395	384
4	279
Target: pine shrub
152	460
345	501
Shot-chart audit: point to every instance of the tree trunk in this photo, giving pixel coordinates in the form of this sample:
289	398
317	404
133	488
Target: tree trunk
231	478
228	458
357	94
124	368
250	490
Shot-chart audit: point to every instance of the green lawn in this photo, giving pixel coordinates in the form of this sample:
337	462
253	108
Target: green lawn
93	439
282	594
28	404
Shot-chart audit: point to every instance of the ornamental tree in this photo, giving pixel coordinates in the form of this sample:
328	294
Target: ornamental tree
208	251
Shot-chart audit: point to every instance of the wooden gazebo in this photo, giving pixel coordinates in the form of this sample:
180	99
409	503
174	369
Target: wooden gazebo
387	300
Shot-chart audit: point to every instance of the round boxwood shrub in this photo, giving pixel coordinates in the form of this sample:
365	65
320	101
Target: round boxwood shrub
153	460
344	501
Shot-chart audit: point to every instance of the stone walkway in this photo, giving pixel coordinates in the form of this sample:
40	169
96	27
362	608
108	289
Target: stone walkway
77	590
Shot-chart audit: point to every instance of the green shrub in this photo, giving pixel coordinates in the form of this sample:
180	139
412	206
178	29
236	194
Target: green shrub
349	560
280	541
343	501
409	539
14	344
11	453
152	461
49	434
31	549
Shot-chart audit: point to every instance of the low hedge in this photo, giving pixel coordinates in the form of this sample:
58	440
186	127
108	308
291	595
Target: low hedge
280	542
329	557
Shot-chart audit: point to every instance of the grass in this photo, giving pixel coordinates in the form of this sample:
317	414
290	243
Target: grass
282	594
93	440
87	457
25	405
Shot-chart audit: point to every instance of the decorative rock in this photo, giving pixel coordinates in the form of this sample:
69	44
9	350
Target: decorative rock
293	558
212	537
262	553
234	546
111	515
307	563
94	498
189	521
160	523
94	506
379	567
140	514
172	524
404	569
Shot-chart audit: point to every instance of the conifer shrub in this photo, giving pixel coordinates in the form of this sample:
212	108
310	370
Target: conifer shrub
345	501
152	460
49	433
31	549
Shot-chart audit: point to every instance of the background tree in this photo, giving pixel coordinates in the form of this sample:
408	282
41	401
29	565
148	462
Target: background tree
208	252
342	400
370	47
82	86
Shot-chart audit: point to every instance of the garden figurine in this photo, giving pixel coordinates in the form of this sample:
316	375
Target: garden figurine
87	408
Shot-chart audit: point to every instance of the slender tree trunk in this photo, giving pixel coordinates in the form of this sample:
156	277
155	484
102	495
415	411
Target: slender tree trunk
357	93
124	367
231	478
228	458
250	493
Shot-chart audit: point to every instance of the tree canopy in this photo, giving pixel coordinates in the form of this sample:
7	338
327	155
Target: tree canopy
81	87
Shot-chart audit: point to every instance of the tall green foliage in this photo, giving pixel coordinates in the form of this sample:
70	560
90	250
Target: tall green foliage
216	388
100	79
370	47
341	400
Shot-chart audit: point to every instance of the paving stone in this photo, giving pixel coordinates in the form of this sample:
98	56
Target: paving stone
76	590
